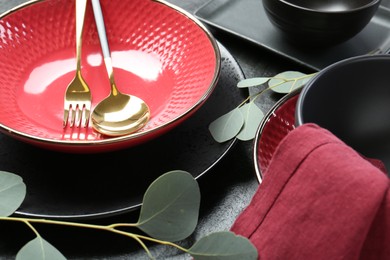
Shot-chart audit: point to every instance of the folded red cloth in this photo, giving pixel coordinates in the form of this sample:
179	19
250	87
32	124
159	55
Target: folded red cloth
319	199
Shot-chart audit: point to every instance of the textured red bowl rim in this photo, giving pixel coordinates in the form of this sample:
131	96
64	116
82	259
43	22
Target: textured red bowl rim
279	104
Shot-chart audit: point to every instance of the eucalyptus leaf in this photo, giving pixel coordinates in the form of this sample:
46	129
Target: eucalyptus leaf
223	245
39	249
227	126
287	81
170	207
12	193
253	116
304	80
252	82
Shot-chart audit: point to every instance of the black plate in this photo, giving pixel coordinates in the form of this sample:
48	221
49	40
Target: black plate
70	186
247	19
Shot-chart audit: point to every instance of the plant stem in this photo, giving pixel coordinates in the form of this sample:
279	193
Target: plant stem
32	228
284	80
110	228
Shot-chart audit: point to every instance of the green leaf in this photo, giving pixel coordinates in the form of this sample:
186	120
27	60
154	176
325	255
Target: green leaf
223	245
252	82
227	126
287	81
170	207
304	80
39	249
12	193
253	116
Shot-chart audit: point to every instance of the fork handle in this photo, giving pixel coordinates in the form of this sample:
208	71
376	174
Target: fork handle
81	6
97	11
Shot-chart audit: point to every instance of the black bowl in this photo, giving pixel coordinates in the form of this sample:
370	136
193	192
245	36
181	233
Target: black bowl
320	22
351	98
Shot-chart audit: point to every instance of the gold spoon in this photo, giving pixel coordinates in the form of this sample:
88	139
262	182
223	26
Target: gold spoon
118	114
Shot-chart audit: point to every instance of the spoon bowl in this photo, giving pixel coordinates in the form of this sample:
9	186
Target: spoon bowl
118	114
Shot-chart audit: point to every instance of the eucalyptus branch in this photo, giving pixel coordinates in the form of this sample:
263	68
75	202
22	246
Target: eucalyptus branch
295	80
254	96
30	226
166	215
109	228
243	121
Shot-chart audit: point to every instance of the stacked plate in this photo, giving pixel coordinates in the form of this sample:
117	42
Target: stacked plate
160	53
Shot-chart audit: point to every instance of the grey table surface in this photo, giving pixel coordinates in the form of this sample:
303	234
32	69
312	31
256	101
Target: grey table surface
226	189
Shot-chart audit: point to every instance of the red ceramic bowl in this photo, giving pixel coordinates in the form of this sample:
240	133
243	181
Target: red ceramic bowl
160	53
276	124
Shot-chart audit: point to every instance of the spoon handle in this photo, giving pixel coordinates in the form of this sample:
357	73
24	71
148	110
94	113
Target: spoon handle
99	20
97	11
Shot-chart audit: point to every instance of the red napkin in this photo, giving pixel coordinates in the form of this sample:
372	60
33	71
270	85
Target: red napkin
319	199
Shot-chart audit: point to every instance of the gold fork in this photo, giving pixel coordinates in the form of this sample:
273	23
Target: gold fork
77	100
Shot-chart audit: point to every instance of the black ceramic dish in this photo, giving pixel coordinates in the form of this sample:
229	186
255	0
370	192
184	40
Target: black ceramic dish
319	22
351	98
68	186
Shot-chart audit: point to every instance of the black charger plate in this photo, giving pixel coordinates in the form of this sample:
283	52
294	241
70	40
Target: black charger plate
81	186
